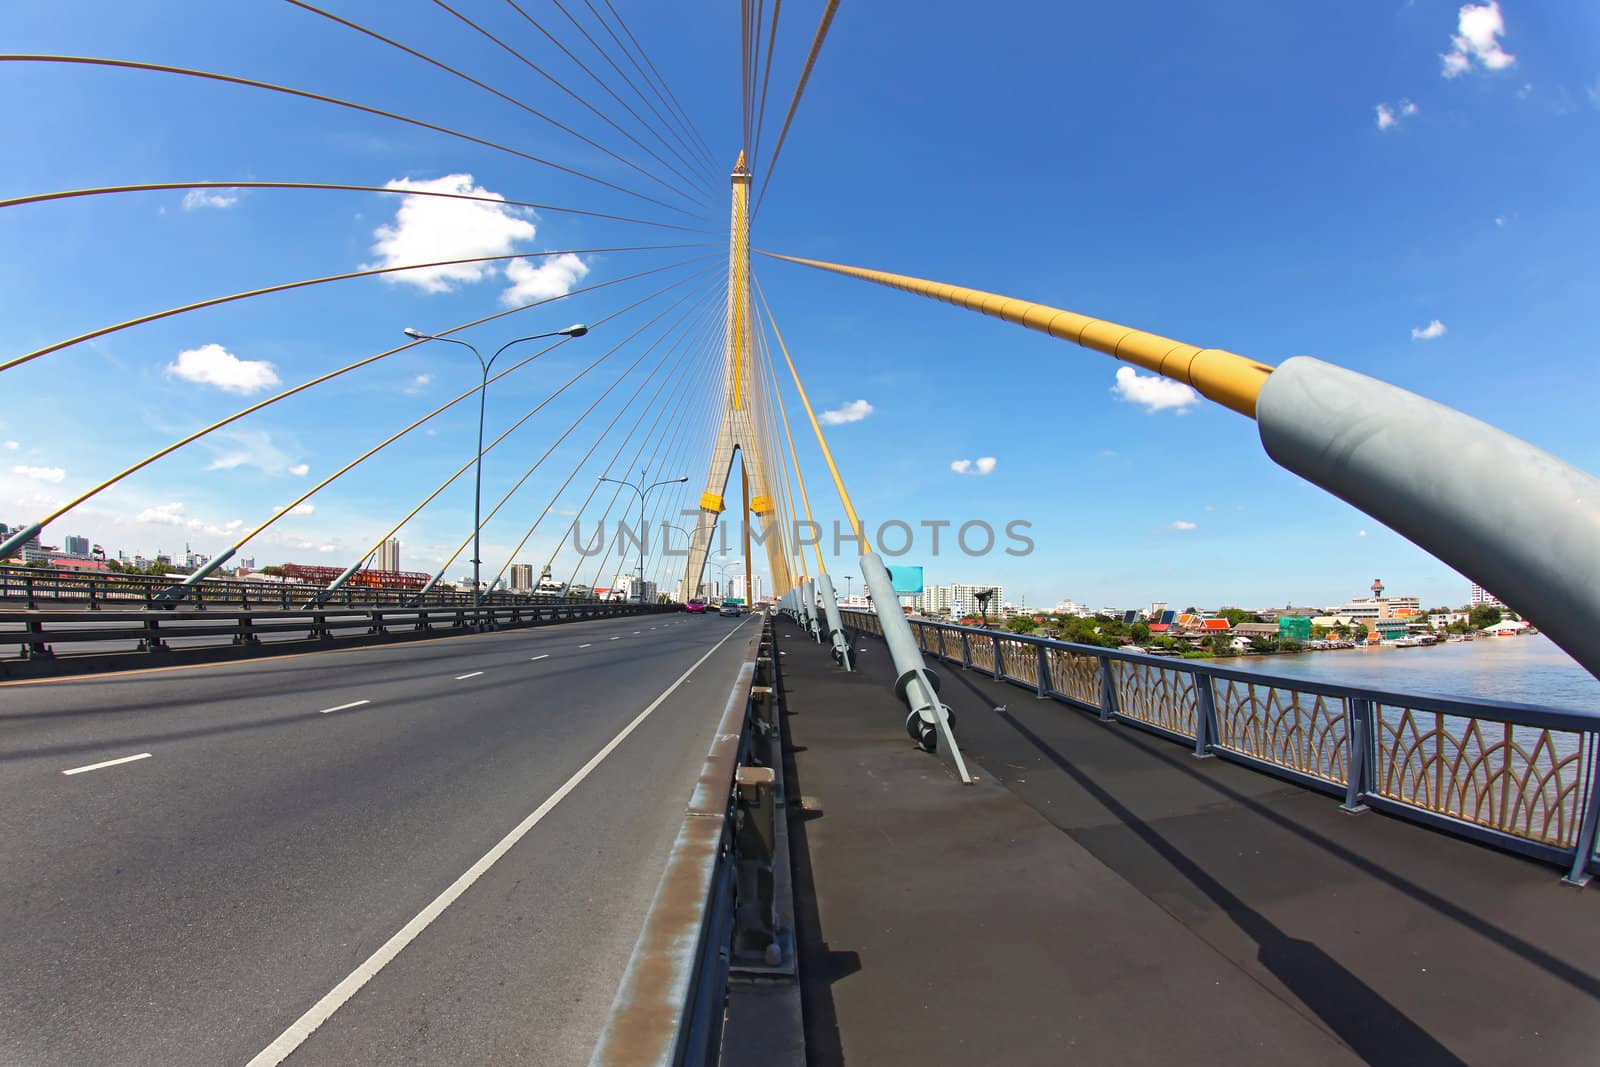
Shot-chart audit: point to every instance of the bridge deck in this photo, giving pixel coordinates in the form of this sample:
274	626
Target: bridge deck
1101	895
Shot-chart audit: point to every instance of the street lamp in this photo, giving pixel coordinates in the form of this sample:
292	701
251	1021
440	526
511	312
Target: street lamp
722	569
847	580
643	493
575	330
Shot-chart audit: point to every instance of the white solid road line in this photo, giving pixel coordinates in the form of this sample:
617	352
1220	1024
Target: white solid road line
464	677
107	763
613	639
636	633
344	707
584	645
542	655
322	1010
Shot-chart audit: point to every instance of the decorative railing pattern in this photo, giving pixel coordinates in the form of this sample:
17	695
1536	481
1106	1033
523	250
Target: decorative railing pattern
1156	694
1523	780
1520	777
1302	731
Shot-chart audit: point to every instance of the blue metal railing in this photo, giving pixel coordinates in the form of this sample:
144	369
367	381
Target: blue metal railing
1521	777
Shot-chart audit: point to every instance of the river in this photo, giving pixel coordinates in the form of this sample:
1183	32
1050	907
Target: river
1528	670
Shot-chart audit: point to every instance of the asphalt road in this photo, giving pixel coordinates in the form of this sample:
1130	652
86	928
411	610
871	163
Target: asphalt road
292	815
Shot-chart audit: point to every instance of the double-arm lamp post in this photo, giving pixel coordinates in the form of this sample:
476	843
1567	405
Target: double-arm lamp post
643	493
575	330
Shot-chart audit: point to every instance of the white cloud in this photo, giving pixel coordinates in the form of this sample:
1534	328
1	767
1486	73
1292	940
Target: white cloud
1390	116
417	384
854	411
251	448
1211	507
1152	392
12	446
1479	28
1429	332
430	228
1362	533
300	470
298	509
1181	525
174	514
1499	220
554	276
978	467
41	474
219	198
215	365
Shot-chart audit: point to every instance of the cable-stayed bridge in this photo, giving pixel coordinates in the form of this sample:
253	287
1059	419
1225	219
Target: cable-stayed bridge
351	818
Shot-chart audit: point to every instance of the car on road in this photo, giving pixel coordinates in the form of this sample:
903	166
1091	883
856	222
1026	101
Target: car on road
695	607
730	609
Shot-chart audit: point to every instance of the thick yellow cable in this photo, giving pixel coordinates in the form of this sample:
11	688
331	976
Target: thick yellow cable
1232	380
305	283
229	79
794	104
156	187
195	436
766	79
816	427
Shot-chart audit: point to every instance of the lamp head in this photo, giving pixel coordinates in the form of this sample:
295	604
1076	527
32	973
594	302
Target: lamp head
577	329
415	335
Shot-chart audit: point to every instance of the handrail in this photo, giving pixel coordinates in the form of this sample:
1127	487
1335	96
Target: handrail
1521	777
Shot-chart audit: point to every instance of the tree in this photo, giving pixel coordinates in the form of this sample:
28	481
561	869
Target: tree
275	571
1021	624
1236	615
1140	633
1220	644
1485	615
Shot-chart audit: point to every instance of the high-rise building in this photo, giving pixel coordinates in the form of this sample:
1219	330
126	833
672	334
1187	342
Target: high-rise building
77	546
959	599
522	577
388	558
1481	597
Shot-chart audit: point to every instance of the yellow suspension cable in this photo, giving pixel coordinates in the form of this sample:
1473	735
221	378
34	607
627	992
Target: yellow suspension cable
303	283
196	435
683	116
229	79
468	465
596	403
1232	380
156	187
699	198
794	104
816	427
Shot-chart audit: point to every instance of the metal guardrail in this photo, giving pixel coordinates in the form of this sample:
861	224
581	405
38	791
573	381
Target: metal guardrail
36	634
723	911
1520	777
32	588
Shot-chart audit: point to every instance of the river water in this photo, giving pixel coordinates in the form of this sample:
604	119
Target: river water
1528	670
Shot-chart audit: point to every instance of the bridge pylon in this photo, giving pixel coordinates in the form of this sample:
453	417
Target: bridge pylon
743	432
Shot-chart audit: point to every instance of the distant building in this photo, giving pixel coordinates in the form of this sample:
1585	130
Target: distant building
1439	620
521	575
388	557
1482	598
77	546
960	599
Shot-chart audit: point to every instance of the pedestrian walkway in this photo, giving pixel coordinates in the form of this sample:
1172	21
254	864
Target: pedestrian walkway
1101	896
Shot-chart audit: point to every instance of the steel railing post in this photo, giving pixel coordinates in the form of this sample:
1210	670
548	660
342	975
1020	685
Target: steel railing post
1583	849
1044	671
999	660
1205	714
1361	737
1108	691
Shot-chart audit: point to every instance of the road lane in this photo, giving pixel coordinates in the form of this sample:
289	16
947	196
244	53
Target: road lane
266	847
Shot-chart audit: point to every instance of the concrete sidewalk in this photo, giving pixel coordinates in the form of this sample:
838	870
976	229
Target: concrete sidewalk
1100	896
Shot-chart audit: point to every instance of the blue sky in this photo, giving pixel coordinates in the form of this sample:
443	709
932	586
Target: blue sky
1323	179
